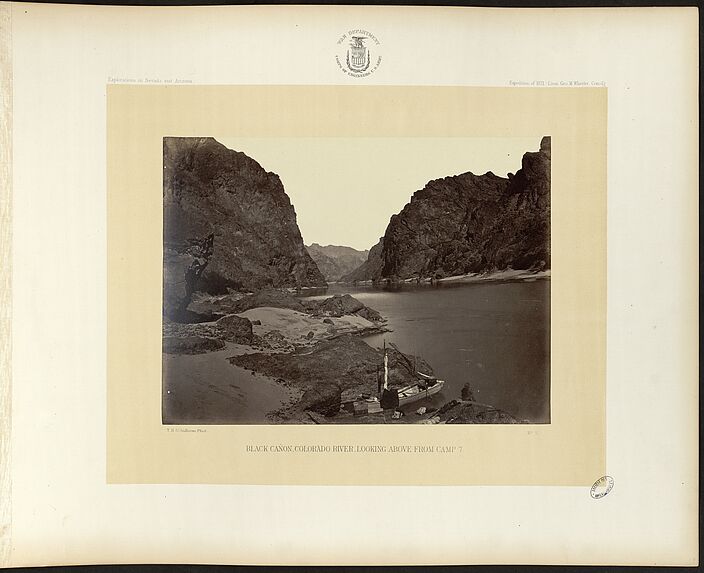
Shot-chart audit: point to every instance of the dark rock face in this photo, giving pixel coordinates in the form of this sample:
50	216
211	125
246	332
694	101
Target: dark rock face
470	223
334	261
224	197
369	269
184	264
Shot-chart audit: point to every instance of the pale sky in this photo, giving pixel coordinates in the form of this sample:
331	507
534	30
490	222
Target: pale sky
344	190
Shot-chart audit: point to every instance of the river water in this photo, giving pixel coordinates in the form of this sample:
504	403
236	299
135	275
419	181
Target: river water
494	335
207	389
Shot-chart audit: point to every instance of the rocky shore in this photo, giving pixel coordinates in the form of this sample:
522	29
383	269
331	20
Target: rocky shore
341	370
331	372
271	321
315	349
455	411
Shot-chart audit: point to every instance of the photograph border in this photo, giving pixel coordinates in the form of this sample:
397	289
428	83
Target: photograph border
569	451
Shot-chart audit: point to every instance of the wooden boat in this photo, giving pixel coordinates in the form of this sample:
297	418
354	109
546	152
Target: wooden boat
424	387
420	390
406	395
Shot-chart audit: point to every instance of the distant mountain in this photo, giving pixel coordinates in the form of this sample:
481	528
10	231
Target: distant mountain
369	269
335	261
228	223
469	223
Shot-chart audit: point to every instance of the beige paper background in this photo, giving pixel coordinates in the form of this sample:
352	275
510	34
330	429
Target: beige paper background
5	281
569	451
63	511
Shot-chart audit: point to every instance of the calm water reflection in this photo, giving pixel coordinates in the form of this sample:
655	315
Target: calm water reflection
494	335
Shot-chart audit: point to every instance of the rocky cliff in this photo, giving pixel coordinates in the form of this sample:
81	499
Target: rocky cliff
228	223
470	224
336	261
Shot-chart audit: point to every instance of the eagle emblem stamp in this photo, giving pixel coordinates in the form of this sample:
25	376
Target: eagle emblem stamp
358	53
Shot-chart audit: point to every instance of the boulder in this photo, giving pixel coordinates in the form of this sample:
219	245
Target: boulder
339	305
235	328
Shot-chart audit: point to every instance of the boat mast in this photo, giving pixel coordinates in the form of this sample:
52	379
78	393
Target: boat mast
386	368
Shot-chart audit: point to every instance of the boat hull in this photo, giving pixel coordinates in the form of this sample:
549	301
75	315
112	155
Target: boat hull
421	395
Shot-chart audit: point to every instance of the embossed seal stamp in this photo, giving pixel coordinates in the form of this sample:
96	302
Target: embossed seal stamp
358	53
601	487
